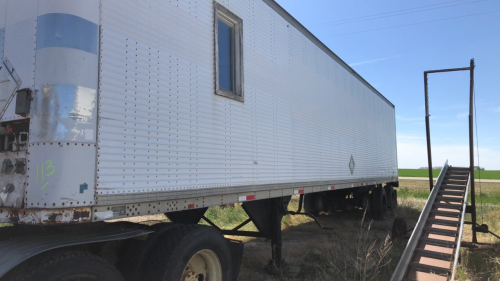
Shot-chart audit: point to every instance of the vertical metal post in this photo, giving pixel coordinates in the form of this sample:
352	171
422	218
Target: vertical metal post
471	151
428	132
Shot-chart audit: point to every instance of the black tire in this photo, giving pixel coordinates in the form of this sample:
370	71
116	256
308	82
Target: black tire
392	197
135	258
177	247
68	266
315	203
399	228
395	200
379	204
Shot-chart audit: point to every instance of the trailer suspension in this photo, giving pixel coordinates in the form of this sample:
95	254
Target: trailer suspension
298	212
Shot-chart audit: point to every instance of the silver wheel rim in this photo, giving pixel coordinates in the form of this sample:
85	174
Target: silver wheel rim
204	265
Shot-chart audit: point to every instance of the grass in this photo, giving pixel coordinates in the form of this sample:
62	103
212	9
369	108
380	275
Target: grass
368	259
417	173
492	175
482	265
487	193
423	173
228	217
479	265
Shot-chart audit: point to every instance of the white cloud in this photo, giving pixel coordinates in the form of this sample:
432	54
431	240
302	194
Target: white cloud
412	153
373	60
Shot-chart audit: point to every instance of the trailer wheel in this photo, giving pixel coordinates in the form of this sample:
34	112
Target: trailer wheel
67	266
190	252
314	203
392	197
366	203
379	204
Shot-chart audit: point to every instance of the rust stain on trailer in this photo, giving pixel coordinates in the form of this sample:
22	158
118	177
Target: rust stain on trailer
45	216
77	215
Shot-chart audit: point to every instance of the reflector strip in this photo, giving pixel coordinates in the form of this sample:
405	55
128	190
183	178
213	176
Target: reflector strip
190	206
331	187
299	191
246	198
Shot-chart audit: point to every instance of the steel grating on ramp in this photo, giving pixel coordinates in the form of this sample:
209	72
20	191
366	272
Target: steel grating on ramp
433	249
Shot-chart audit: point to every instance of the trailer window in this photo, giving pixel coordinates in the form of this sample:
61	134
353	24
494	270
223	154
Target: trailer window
228	54
225	32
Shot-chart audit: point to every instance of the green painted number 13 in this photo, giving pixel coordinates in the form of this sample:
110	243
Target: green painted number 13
47	170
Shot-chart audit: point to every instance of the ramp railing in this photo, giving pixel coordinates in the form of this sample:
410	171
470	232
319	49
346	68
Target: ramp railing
434	246
461	231
417	231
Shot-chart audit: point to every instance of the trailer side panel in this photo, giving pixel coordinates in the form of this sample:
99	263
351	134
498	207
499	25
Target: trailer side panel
162	129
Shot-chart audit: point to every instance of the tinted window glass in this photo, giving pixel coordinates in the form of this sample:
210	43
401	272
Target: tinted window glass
225	33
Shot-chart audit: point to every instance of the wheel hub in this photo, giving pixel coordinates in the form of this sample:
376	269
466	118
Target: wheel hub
203	266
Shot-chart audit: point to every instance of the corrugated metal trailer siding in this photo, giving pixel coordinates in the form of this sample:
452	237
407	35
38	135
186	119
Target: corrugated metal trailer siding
162	128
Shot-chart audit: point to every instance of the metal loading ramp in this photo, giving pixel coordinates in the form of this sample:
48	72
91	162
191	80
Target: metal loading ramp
433	249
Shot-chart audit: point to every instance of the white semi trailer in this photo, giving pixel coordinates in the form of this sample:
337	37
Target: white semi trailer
114	109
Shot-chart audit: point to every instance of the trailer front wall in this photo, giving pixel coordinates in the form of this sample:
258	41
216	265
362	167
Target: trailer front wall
53	47
163	130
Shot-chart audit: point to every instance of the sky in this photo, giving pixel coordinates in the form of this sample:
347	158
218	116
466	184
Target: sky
391	43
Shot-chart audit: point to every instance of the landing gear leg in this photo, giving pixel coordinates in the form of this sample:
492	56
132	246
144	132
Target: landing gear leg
276	212
267	215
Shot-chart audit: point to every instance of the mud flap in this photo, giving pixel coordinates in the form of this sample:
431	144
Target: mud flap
19	243
187	216
236	257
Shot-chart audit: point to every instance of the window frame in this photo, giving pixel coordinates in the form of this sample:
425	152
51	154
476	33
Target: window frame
236	23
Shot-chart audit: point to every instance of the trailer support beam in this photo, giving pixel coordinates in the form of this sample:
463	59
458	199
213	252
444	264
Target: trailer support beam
276	241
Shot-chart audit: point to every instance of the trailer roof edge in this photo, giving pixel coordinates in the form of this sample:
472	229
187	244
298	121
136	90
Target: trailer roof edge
280	10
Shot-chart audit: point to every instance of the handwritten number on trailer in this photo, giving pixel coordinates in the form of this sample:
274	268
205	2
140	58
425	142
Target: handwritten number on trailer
46	170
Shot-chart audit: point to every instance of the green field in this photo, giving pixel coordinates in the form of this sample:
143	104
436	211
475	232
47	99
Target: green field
486	175
487	193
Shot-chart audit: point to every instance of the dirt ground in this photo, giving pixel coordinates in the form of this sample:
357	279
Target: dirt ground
356	248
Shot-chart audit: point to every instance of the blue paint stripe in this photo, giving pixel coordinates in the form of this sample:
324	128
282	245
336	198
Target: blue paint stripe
67	31
2	40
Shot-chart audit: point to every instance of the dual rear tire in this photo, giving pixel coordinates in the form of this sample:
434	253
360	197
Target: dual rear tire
392	197
314	203
383	200
176	252
378	203
190	253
